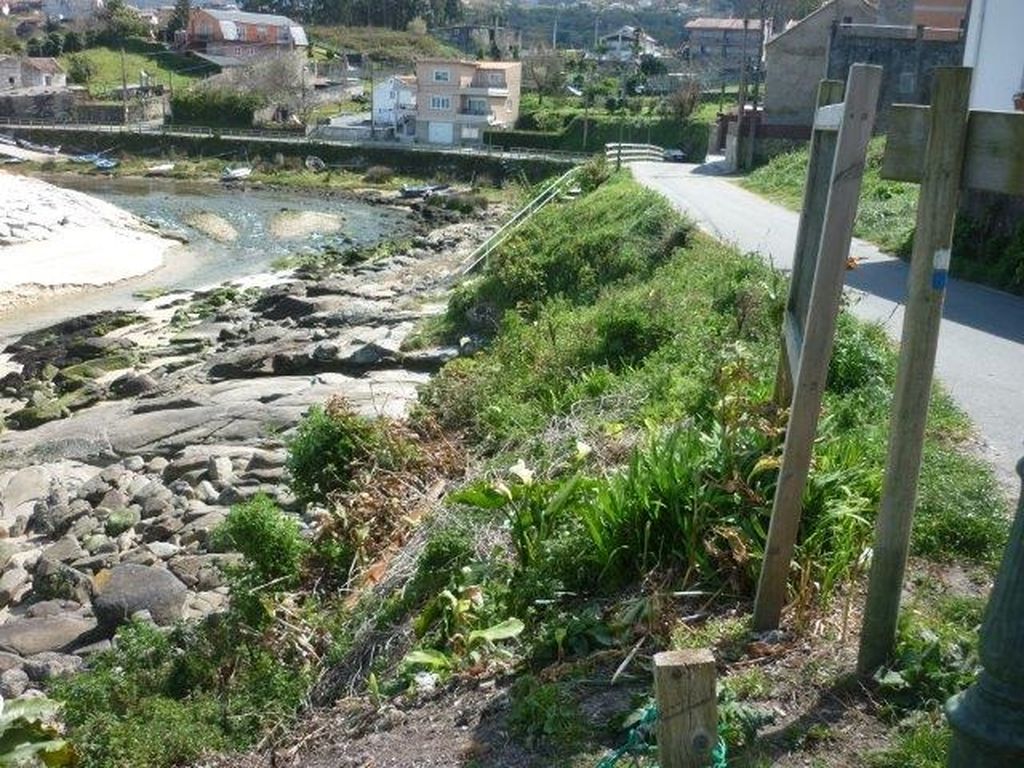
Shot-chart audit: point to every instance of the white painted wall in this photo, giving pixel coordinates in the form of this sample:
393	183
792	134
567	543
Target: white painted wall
995	49
390	97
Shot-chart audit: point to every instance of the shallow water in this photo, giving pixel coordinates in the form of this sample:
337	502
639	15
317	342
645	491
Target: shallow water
203	261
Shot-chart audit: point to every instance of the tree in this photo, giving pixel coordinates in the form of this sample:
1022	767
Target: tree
684	100
120	22
179	18
545	73
81	69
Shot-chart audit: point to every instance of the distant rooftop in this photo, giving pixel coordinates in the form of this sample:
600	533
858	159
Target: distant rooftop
712	23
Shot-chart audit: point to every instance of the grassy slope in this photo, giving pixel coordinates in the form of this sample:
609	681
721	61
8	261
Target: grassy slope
626	379
887	208
381	44
887	214
692	340
160	67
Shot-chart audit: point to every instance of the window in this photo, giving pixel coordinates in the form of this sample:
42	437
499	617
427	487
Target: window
442	76
477	106
440	103
496	78
261	33
469	132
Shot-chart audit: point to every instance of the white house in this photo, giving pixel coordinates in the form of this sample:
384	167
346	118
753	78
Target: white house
993	48
628	43
70	10
394	102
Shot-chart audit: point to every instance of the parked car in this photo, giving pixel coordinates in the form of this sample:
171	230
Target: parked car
673	156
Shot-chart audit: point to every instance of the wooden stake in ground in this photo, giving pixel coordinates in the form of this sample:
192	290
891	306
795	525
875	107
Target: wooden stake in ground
684	685
929	268
826	228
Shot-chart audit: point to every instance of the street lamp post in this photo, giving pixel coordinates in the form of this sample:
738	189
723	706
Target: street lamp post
988	718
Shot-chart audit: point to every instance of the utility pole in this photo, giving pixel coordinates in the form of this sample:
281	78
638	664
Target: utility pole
124	88
373	114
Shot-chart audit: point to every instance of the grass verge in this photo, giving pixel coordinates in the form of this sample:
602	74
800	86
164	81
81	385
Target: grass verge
984	249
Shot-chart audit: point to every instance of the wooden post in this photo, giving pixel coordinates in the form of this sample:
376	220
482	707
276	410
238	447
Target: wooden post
988	719
829	92
684	685
814	324
933	238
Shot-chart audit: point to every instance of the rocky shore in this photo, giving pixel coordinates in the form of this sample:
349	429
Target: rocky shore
57	239
130	435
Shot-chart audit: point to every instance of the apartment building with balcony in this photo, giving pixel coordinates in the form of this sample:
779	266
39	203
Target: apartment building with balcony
457	101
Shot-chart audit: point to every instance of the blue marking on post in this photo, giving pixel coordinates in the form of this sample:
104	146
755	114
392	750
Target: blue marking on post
939	278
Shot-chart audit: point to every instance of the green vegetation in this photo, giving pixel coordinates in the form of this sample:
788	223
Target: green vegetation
216	107
29	735
626	451
887	208
566	123
100	68
331	450
379	43
983	249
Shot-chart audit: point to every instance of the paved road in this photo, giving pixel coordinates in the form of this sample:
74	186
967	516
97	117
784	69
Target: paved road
981	346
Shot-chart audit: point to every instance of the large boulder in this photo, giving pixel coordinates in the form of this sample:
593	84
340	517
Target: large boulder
63	632
129	588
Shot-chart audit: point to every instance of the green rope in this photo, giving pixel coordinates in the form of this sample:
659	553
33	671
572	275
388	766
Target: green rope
638	743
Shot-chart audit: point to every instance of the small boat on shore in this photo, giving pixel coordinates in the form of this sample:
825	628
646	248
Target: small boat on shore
105	164
315	164
160	170
423	190
46	149
236	174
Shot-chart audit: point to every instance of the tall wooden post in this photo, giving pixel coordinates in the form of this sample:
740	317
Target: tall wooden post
988	719
933	238
684	685
823	245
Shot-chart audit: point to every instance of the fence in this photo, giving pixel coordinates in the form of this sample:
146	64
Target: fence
485	249
291	137
630	153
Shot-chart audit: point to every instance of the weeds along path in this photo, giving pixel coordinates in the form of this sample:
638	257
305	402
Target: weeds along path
981	348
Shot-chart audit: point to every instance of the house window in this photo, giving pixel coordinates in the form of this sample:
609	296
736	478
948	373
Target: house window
10	81
440	103
477	106
442	76
496	78
261	33
908	82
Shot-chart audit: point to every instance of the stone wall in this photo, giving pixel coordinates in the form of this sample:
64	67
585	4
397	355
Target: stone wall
907	54
39	105
796	60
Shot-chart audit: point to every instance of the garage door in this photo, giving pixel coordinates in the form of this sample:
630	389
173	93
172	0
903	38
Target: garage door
440	133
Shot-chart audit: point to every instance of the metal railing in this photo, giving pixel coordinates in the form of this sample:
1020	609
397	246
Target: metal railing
552	191
628	153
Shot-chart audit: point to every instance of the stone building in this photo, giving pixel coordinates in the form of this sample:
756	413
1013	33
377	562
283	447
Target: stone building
907	54
723	46
18	72
796	61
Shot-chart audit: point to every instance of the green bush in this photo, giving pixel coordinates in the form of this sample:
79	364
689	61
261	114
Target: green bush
269	540
331	446
215	107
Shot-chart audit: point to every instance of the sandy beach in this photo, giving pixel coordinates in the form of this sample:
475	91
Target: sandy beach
53	239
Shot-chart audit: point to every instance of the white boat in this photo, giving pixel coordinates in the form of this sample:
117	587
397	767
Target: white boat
160	170
236	174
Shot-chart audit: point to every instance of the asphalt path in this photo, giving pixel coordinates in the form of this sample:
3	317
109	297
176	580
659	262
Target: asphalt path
981	345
